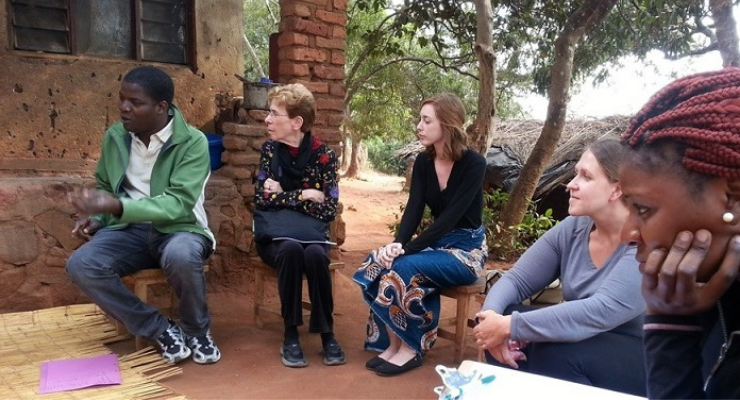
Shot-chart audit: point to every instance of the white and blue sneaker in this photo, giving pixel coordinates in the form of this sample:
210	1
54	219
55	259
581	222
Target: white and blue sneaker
204	349
172	343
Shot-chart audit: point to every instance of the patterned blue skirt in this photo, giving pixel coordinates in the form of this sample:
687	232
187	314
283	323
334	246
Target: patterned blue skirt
405	298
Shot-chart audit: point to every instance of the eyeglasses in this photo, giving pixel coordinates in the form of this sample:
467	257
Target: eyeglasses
274	114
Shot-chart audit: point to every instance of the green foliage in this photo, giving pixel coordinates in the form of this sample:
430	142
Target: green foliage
381	154
259	24
532	227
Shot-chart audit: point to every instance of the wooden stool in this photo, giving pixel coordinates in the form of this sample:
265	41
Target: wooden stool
139	283
261	272
461	320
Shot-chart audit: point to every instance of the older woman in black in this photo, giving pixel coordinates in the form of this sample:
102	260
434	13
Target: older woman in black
299	173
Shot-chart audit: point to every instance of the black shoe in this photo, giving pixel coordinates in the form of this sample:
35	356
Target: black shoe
293	356
333	354
389	369
374	362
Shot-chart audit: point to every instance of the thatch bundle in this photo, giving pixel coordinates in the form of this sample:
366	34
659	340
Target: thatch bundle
27	339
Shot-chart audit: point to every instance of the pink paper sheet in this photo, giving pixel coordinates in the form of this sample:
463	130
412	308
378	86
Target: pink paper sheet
61	375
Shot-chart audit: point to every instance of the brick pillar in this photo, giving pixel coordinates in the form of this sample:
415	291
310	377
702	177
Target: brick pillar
311	44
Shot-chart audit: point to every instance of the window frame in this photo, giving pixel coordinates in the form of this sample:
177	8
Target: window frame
136	23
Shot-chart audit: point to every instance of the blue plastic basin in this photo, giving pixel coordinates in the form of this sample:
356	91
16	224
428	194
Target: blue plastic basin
215	148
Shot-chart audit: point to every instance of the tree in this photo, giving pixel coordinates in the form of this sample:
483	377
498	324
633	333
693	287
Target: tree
260	20
588	37
726	32
581	22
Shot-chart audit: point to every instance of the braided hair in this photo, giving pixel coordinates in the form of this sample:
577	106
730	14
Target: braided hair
694	122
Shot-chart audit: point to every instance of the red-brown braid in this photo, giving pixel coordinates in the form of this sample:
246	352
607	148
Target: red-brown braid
701	111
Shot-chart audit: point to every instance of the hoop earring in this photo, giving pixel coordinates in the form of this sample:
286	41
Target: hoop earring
728	217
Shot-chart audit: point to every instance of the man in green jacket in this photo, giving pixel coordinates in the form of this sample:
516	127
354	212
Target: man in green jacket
147	212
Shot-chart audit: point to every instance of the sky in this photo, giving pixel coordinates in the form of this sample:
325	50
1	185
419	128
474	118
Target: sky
627	88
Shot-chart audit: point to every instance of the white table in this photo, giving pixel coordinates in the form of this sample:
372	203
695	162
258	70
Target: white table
518	385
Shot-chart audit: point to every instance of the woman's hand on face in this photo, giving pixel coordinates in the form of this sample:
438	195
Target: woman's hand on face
317	196
272	186
388	253
492	330
669	282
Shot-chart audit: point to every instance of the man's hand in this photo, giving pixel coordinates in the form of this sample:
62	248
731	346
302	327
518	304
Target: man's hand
85	228
91	201
669	279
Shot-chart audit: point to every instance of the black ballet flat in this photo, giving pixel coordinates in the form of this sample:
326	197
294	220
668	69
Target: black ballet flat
389	369
374	362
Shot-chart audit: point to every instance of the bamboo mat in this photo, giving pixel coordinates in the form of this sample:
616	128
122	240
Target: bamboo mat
29	338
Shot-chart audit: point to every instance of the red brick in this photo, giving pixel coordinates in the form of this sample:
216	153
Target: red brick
320	120
296	24
305	54
292	39
340	5
314	87
337	89
294	8
294	69
333	18
228	127
257	143
317	2
339	32
251	130
330	104
337	58
330	136
233	172
247	190
335	120
258	115
232	142
338	44
331	73
243	158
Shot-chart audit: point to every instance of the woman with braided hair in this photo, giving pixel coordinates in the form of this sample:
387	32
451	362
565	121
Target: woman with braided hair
680	177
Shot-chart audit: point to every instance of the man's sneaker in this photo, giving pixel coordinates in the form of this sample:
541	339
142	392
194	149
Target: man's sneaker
293	355
204	349
173	345
333	354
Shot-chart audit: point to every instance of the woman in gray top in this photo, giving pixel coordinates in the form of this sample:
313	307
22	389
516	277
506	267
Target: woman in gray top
594	336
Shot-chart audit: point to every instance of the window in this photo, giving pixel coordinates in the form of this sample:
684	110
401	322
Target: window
146	30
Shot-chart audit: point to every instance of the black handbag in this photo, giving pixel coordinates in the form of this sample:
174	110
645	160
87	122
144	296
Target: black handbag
287	224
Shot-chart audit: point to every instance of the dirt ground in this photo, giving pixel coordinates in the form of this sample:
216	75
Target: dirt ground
250	367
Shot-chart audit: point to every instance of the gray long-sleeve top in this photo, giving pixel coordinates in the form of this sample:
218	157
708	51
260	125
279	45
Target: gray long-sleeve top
596	299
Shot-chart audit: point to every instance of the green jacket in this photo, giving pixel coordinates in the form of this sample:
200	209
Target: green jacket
177	182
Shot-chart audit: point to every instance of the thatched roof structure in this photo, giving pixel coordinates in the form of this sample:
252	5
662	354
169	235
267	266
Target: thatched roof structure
520	136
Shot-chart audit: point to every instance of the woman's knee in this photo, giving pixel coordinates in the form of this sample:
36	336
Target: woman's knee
315	255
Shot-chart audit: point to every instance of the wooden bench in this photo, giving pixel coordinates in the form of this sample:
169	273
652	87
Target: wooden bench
139	283
262	272
461	320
